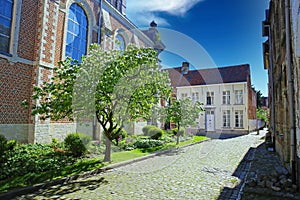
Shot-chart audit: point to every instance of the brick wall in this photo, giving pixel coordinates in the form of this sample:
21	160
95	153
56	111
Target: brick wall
30	17
15	86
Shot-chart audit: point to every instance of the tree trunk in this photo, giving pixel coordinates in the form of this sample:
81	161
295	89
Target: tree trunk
107	156
177	139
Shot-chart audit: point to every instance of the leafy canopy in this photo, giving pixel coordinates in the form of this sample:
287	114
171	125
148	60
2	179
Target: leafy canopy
115	86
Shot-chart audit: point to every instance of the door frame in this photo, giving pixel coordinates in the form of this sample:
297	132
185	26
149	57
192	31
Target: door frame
210	114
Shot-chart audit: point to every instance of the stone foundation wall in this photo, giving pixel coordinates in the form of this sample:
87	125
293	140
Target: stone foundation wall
23	133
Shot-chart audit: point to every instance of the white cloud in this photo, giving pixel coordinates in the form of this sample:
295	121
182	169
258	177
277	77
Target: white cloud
144	11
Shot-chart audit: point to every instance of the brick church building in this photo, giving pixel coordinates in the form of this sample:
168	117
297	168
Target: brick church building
35	35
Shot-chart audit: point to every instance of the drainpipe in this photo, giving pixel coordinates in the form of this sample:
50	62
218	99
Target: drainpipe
272	106
95	136
290	92
99	23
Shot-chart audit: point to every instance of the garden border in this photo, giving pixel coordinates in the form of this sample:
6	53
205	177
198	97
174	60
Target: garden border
34	188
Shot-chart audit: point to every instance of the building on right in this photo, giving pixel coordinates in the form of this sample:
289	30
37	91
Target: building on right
281	53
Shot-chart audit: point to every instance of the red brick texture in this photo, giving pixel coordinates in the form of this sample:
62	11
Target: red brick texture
15	87
48	36
28	34
59	37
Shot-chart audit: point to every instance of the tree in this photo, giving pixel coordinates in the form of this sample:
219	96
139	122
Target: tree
114	86
259	99
182	112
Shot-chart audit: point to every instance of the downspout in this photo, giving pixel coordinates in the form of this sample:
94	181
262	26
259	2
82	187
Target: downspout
95	136
272	120
99	23
290	92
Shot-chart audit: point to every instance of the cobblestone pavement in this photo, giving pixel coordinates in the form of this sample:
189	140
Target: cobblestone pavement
198	172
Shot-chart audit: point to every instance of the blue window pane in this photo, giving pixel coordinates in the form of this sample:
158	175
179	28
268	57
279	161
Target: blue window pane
6	7
82	45
76	42
83	33
70	38
70	26
77	32
71	15
83	21
68	49
76	29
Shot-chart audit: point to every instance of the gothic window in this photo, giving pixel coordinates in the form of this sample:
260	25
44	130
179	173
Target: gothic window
6	8
76	44
119	43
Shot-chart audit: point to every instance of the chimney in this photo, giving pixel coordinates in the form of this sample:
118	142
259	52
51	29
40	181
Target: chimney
185	67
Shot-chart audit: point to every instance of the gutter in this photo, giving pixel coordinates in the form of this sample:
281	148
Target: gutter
290	92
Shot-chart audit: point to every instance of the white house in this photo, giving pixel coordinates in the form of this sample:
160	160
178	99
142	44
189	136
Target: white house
226	93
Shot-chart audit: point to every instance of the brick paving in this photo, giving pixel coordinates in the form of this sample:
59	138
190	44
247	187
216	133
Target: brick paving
214	169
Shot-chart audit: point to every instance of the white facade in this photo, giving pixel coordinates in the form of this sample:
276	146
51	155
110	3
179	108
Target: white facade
226	107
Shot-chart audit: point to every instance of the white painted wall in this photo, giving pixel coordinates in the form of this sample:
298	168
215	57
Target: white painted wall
218	105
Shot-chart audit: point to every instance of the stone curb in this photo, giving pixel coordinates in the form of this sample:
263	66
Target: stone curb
34	188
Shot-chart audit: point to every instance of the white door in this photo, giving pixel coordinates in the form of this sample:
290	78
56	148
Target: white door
210	121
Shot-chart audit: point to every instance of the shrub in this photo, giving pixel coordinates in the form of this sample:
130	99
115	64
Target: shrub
120	136
148	143
181	131
155	133
76	143
146	129
33	158
6	146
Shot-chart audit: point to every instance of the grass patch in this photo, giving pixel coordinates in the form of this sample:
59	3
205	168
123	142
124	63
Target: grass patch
127	155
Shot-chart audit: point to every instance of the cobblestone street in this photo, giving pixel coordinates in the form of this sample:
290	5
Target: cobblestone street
196	172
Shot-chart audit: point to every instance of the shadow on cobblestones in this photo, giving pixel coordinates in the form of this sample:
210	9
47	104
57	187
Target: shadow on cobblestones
241	171
256	163
66	188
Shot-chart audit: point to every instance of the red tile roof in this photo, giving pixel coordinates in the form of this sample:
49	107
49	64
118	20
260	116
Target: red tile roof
230	74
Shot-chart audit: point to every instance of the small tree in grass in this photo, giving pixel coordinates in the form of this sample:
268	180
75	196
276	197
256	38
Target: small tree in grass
182	112
114	86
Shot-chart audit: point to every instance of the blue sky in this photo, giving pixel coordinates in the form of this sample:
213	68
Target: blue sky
228	31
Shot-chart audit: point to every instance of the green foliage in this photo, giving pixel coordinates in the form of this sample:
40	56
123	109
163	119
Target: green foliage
259	99
146	129
115	86
182	112
155	133
5	147
148	143
3	144
262	114
76	143
181	131
32	158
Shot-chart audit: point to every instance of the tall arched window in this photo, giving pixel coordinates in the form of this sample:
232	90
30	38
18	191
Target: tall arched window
119	43
6	8
77	32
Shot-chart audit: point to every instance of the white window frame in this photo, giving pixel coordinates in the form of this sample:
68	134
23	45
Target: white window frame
195	97
226	118
239	97
183	95
211	96
226	97
239	119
